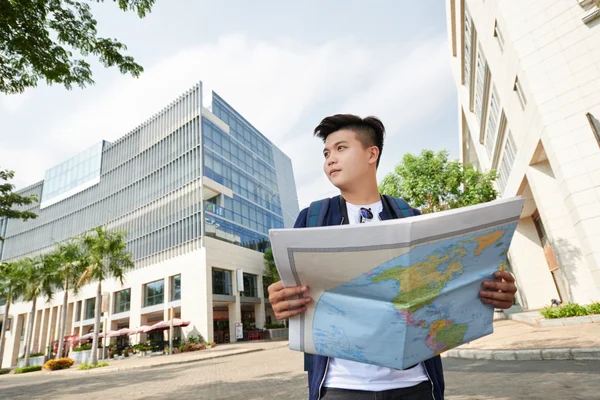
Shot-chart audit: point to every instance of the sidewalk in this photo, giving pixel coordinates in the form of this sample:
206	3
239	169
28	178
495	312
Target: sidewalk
225	350
513	340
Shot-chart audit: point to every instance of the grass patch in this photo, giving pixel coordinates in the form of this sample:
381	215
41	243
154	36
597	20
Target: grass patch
4	371
85	366
570	310
24	370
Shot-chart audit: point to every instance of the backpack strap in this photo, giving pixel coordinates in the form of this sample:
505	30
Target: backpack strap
400	207
316	213
315	217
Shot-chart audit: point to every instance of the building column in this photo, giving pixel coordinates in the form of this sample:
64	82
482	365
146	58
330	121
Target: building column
234	309
195	294
135	311
259	309
562	234
35	341
44	330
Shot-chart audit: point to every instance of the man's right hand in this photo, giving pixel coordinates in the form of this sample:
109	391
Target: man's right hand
284	308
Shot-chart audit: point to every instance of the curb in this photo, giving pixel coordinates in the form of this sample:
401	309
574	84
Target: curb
135	367
579	354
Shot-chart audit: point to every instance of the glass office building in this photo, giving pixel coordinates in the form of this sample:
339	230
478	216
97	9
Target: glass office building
198	156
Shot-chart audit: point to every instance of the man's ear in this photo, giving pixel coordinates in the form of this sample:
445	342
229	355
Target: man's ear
373	154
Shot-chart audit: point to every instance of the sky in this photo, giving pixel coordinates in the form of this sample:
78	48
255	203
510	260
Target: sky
283	65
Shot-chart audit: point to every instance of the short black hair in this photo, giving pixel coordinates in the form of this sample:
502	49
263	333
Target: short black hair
369	131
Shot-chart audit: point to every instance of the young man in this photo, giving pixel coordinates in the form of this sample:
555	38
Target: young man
352	152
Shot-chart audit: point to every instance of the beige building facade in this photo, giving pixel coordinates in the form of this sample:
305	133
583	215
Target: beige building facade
528	80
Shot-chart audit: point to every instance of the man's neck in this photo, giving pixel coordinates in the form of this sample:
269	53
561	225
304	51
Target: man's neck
363	194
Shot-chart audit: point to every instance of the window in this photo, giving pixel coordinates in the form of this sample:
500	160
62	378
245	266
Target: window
481	70
78	311
468	56
498	35
250	286
595	124
122	301
154	293
508	159
492	124
520	93
90	308
176	287
2	302
222	282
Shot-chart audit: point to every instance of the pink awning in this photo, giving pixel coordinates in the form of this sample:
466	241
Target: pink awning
161	326
120	332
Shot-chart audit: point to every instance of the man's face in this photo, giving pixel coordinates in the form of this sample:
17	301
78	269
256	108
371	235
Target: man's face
346	160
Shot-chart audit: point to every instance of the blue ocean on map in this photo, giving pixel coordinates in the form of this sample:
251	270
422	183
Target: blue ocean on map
358	321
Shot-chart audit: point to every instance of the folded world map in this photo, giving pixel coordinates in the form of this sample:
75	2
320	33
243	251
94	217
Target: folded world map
397	292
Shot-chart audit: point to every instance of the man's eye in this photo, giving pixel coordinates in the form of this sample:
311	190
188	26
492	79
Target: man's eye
326	155
341	147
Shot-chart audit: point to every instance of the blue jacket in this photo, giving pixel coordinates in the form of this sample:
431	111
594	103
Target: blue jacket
316	376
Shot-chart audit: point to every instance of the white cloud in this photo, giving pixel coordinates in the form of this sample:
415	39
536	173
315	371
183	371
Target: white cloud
14	102
282	87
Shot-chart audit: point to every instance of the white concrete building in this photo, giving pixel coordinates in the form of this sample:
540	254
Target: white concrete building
196	157
528	79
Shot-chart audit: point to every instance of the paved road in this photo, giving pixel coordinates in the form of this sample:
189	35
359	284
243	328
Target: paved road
275	374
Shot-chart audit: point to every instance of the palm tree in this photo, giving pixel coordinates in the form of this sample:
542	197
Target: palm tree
70	262
107	257
12	286
41	276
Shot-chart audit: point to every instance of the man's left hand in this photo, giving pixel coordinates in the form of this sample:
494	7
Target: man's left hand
501	293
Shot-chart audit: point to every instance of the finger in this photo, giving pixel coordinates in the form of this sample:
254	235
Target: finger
275	287
501	296
507	276
283	294
291	304
508	287
497	304
290	313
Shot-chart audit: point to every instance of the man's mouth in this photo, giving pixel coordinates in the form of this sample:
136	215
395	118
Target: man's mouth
334	171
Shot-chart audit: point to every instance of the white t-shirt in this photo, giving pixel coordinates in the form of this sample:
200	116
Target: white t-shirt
346	374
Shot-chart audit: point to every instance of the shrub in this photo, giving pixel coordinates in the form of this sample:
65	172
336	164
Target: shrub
4	371
594	308
61	363
570	310
24	370
85	366
83	347
33	355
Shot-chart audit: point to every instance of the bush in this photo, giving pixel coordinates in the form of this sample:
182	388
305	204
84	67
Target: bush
83	347
85	366
594	308
24	370
61	363
570	310
4	371
33	355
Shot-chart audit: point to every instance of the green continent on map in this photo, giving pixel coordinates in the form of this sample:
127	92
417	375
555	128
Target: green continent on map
422	282
445	334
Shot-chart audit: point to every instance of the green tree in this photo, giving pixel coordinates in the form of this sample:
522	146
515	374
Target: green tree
41	275
38	39
107	257
271	275
432	183
70	261
12	287
9	199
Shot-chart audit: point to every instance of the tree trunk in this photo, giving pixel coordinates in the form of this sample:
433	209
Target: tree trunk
4	323
29	332
97	324
63	323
